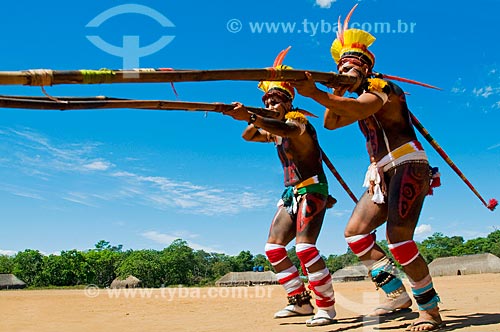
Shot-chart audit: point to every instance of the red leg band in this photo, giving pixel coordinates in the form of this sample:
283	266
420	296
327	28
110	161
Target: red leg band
361	244
275	253
404	252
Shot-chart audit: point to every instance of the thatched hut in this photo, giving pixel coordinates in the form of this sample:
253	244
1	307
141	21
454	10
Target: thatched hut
247	279
350	273
130	282
10	281
470	264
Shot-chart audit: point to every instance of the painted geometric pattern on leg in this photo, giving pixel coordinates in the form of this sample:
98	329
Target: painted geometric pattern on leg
311	206
412	187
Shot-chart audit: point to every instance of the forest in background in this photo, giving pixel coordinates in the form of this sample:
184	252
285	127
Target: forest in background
178	264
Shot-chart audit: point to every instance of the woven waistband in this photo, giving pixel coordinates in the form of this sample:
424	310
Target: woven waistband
307	182
314	184
410	151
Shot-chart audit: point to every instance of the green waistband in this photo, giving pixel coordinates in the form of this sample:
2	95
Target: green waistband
318	188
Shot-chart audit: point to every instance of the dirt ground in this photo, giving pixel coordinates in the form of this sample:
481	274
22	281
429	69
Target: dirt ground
469	303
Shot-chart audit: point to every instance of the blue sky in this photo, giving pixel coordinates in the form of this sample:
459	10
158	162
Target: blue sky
145	178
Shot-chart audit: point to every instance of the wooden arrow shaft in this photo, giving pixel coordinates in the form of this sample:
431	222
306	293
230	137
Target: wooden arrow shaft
77	103
42	77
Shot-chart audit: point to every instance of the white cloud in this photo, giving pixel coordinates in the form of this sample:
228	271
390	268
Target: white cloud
163	193
33	154
486	92
167	239
79	198
471	234
8	252
458	90
28	195
21	191
493	228
325	3
483	92
185	235
36	155
159	237
339	213
494	146
98	165
422	231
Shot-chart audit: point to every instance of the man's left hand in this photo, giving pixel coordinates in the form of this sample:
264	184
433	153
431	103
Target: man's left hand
306	87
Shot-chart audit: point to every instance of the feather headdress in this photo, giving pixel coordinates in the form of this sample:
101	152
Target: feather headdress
284	87
352	43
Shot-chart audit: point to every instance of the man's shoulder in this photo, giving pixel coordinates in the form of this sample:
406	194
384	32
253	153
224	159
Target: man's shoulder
296	115
378	85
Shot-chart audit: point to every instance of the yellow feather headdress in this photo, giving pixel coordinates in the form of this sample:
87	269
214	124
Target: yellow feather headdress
284	87
352	43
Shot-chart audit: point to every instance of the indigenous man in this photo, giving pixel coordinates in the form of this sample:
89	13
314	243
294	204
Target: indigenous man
302	206
398	178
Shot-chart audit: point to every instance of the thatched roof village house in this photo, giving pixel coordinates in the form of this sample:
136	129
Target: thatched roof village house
10	281
350	273
469	264
130	282
247	279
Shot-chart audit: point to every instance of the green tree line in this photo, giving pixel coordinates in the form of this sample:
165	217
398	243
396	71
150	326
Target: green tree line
180	264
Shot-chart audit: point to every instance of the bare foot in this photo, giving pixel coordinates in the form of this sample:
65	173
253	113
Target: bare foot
429	320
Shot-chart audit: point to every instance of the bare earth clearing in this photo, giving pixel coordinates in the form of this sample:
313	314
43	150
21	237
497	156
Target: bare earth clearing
469	303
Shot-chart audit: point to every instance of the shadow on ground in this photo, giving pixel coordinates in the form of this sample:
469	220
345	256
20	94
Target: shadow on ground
453	322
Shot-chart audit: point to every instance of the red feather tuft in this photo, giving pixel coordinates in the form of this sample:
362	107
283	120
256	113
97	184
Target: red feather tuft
348	18
406	80
281	56
492	204
275	63
171	83
306	113
340	33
